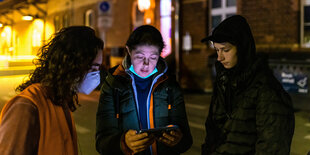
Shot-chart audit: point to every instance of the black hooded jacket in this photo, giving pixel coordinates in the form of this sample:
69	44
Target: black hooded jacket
250	112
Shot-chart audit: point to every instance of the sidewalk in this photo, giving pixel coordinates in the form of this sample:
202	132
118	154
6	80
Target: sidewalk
16	65
18	70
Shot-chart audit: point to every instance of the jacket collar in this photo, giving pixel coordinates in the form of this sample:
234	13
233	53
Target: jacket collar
240	80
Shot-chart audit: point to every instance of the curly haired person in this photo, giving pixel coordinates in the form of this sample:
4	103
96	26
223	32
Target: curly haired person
39	120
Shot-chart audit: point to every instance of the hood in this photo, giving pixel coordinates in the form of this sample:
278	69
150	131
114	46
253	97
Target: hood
236	31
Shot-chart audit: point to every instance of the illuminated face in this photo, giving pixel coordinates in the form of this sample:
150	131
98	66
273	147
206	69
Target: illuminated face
226	54
96	62
144	59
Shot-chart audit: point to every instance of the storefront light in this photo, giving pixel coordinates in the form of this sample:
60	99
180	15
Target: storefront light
3	34
165	25
38	26
144	5
27	18
7	34
148	20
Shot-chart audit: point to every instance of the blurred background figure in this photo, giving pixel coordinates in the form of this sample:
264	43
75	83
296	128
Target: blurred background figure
250	112
39	119
139	94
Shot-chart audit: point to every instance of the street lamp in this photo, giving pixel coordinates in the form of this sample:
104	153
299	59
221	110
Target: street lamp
27	18
144	5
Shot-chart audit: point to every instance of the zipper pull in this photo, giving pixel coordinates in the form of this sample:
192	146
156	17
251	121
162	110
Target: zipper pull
169	106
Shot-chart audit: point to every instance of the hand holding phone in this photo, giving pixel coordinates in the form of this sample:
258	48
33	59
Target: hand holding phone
170	135
158	132
171	138
138	142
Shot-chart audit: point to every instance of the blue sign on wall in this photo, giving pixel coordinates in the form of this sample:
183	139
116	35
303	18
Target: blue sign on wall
104	6
294	82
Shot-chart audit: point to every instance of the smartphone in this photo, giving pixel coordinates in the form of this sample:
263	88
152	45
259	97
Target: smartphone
160	130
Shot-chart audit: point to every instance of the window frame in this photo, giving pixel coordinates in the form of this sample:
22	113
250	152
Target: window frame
303	24
223	11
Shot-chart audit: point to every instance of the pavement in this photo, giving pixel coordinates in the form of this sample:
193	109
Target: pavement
17	70
197	106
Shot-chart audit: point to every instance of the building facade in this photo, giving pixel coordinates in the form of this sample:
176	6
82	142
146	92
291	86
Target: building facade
277	26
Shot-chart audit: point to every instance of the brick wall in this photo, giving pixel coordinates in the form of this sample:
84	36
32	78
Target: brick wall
194	17
194	71
275	24
117	34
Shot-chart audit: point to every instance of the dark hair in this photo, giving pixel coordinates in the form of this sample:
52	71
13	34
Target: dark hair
145	35
63	63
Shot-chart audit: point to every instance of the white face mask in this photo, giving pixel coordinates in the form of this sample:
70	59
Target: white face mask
91	81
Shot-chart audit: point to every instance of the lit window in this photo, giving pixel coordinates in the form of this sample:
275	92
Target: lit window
38	26
165	26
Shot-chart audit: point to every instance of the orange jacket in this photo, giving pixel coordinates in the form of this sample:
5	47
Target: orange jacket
55	135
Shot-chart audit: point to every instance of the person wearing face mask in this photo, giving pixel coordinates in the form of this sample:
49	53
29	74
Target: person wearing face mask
250	112
139	94
39	119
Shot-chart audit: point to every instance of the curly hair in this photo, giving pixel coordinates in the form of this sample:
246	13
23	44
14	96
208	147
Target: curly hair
63	63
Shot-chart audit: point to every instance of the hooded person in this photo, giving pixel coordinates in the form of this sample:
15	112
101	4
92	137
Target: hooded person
250	112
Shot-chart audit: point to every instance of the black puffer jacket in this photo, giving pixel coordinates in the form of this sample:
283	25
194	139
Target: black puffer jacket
118	97
250	112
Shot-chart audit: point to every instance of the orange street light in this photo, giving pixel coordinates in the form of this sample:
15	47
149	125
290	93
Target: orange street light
144	5
27	18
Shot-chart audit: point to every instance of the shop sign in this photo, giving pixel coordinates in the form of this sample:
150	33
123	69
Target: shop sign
105	18
294	82
105	21
105	8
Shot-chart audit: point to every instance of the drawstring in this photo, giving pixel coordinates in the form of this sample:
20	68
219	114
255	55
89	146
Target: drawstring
116	99
169	92
169	98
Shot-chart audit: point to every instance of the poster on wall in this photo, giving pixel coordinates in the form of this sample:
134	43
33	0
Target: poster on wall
294	82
